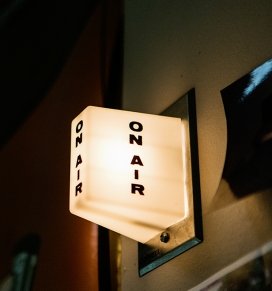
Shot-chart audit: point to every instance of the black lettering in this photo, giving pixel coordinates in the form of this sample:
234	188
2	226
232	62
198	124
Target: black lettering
78	174
78	139
135	126
79	160
137	187
138	140
136	160
79	188
79	126
136	174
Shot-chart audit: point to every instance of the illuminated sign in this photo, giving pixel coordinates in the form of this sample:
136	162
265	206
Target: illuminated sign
129	171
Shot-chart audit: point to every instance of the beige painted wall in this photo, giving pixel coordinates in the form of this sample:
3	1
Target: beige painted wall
170	47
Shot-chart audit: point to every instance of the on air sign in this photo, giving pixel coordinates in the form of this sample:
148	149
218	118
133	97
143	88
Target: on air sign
128	171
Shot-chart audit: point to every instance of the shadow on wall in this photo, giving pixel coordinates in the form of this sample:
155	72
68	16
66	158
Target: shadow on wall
248	108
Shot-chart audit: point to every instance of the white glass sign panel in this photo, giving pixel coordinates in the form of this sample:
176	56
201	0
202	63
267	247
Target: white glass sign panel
128	171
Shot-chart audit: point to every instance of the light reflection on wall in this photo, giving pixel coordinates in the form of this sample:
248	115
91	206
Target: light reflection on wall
257	76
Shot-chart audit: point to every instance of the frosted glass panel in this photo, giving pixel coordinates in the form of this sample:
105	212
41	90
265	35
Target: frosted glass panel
128	171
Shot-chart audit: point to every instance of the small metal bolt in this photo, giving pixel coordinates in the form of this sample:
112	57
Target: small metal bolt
165	236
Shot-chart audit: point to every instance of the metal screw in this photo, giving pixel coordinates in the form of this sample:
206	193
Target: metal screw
165	236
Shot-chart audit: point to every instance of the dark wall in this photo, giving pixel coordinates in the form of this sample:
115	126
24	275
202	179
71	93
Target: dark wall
36	39
36	164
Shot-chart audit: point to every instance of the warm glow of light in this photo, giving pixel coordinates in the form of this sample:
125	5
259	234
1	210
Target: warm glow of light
105	165
185	169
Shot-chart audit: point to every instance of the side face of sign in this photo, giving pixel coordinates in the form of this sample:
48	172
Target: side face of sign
128	171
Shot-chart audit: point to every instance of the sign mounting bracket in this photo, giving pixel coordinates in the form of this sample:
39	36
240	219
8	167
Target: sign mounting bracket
186	233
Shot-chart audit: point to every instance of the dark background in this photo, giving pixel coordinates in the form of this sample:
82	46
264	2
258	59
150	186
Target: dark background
36	38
